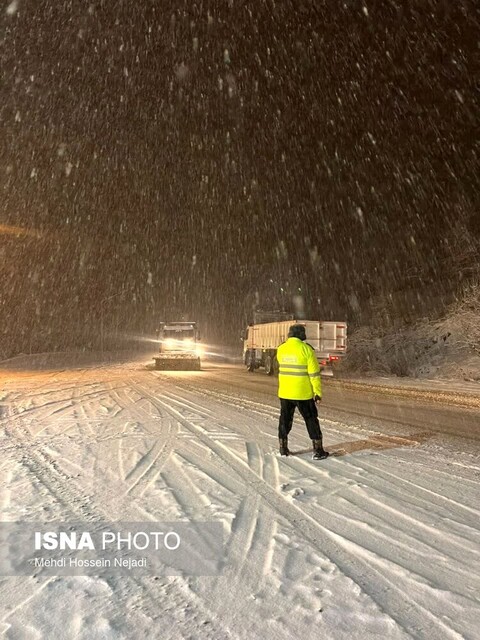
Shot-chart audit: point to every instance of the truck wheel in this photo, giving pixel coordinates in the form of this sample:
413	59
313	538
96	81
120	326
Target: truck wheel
268	364
250	361
276	366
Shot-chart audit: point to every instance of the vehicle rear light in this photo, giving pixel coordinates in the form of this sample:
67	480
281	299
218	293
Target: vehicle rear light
323	362
333	358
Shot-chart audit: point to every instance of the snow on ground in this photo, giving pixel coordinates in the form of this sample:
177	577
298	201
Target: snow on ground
424	384
379	541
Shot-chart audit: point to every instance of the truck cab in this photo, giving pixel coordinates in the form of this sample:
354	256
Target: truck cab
178	346
179	337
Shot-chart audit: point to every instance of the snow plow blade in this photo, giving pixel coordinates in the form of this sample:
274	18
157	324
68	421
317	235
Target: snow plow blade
177	364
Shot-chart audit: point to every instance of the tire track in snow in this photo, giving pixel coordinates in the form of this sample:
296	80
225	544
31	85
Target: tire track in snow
412	617
376	439
48	411
271	473
42	390
198	410
80	506
251	545
248	519
244	432
148	468
393	548
365	485
255	458
250	532
203	419
44	467
208	466
23	595
192	503
250	549
432	540
6	475
151	463
440	498
448	464
234	401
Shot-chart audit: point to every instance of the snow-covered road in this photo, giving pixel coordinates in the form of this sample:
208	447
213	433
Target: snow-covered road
379	541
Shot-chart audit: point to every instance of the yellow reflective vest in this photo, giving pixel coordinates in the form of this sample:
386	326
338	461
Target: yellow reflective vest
299	371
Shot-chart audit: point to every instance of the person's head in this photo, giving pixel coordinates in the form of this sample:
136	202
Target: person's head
297	331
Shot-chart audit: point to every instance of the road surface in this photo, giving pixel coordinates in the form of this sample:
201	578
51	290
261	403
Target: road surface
380	540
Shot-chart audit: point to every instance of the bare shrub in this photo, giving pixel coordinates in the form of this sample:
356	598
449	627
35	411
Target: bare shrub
422	348
463	320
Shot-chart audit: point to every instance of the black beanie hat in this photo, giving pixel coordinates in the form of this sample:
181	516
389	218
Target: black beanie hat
297	331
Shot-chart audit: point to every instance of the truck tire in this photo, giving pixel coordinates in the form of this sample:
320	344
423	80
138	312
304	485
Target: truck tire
268	360
250	361
276	366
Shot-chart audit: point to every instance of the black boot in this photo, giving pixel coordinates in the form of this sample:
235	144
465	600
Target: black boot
319	452
284	446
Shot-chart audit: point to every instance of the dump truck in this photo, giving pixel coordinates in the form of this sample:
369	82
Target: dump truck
179	348
328	339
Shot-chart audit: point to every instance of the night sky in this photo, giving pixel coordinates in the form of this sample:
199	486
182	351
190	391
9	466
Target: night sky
200	158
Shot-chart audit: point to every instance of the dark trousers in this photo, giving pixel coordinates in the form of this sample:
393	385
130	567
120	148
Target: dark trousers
308	411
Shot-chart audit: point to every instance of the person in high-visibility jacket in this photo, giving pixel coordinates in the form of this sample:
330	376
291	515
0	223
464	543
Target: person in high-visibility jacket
299	386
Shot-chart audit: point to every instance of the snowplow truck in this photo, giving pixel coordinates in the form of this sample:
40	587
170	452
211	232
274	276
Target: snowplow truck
328	339
179	349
